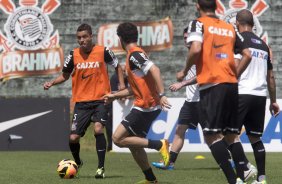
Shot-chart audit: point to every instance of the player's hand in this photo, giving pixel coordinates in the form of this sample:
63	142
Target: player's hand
274	109
47	85
108	98
175	87
165	105
180	76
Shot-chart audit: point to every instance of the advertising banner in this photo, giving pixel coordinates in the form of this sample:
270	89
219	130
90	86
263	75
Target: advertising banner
29	45
153	35
165	125
34	124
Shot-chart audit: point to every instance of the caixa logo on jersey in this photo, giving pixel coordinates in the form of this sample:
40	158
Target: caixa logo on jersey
258	8
30	47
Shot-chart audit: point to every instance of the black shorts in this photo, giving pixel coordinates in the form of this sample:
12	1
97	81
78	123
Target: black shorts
219	106
189	114
85	113
251	114
138	123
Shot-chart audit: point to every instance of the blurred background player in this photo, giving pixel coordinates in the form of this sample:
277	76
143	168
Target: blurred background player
211	42
253	84
115	87
189	113
88	67
146	85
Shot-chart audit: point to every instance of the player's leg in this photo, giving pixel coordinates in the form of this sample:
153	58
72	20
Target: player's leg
141	159
80	123
109	127
188	118
254	130
99	118
136	124
178	142
213	120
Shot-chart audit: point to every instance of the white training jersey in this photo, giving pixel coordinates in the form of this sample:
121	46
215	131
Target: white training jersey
192	91
253	79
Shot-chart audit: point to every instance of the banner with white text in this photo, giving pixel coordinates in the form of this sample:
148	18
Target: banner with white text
164	127
153	35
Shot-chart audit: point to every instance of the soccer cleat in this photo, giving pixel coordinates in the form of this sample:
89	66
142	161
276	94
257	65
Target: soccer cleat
100	173
147	182
259	182
251	173
160	165
165	152
239	181
80	165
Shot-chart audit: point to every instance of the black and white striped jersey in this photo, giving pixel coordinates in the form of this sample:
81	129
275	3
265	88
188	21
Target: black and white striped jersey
253	79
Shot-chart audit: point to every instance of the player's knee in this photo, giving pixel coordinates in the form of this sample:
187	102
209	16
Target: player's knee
117	141
98	128
253	139
74	138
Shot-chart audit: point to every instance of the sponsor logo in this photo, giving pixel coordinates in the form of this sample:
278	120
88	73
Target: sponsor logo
6	125
153	36
257	8
29	46
218	46
256	41
221	56
220	31
87	65
86	76
260	55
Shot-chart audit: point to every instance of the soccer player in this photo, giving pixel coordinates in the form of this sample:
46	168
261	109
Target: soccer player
88	67
211	43
253	84
147	88
189	113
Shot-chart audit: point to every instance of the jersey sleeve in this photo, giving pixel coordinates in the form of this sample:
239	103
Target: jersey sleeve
139	60
110	57
68	64
195	32
240	45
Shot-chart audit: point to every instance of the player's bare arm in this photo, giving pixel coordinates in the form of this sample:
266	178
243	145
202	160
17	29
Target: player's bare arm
156	74
244	62
60	79
120	77
108	98
178	85
192	57
273	107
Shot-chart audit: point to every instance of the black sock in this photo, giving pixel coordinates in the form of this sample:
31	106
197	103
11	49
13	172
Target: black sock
149	175
238	156
173	156
227	147
155	144
101	149
259	153
75	148
221	156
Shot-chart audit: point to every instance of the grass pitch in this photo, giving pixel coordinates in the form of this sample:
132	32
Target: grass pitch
40	168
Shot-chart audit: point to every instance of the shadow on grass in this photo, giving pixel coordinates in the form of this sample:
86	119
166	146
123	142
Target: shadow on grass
199	169
107	177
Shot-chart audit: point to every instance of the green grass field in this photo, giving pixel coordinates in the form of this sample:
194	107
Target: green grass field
40	168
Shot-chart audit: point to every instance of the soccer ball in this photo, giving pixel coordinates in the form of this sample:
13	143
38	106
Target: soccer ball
67	169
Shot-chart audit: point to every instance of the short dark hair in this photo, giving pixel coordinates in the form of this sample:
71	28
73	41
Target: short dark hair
84	27
245	17
207	5
128	32
185	30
